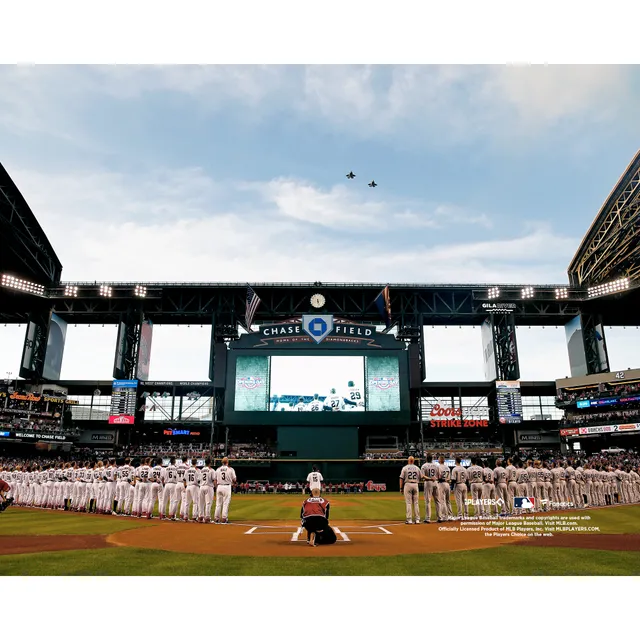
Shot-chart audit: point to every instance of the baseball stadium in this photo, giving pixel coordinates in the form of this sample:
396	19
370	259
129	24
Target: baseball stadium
318	445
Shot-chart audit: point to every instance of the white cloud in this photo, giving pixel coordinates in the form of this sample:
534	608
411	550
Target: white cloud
181	226
445	105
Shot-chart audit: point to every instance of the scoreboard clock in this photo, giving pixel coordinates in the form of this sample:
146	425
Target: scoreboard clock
317	301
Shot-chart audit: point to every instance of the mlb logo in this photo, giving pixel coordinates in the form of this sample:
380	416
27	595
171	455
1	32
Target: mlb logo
524	503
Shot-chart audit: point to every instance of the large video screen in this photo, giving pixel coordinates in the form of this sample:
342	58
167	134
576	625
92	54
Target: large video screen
327	384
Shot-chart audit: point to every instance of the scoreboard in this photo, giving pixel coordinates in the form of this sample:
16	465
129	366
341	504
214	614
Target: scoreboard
124	396
509	401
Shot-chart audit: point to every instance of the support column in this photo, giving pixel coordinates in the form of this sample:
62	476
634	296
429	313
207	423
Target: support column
127	345
35	345
500	348
587	345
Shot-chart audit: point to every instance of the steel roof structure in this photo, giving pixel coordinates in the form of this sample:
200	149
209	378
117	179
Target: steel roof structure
611	247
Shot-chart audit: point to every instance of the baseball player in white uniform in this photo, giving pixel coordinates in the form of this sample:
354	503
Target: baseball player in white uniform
225	478
410	477
192	493
143	474
315	404
181	470
207	490
459	477
155	488
314	480
172	491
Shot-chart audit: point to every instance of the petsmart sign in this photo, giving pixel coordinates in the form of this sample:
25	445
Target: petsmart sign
318	330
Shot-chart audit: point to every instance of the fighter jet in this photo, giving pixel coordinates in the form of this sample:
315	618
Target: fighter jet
351	175
373	183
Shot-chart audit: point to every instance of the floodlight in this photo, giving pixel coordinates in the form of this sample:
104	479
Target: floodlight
562	294
140	291
616	286
494	292
106	291
12	282
70	291
527	292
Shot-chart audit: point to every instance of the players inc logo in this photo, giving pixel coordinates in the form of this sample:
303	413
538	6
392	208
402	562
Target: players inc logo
318	327
486	502
250	382
524	503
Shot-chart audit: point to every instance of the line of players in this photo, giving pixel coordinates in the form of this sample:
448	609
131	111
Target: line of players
553	486
127	490
352	400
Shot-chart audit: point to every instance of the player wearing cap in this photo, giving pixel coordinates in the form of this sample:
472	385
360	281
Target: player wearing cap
572	486
225	478
333	402
548	485
501	488
581	485
181	470
126	485
192	494
154	492
459	477
171	492
142	479
488	491
315	404
531	481
511	482
353	398
430	472
444	491
409	483
207	481
314	480
301	406
474	474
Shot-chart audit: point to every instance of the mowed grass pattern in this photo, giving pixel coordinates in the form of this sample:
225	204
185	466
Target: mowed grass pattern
505	561
389	507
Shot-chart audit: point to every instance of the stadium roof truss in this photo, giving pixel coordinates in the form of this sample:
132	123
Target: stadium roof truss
24	248
611	247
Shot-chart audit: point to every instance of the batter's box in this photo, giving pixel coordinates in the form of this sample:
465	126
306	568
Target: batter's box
297	533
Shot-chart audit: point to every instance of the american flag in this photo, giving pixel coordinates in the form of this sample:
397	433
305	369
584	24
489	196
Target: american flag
253	302
383	302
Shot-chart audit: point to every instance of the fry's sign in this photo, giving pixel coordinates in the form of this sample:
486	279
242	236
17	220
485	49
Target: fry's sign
451	418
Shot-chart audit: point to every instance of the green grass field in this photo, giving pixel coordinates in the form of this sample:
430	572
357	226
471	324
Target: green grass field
508	560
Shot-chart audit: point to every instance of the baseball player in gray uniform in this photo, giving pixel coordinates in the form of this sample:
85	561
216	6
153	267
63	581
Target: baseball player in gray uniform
511	482
488	491
444	491
474	473
531	480
430	472
502	491
409	484
459	478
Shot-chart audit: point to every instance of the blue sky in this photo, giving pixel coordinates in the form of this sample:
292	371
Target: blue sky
221	173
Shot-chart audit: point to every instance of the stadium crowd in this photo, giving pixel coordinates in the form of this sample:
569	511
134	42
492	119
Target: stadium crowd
602	391
602	417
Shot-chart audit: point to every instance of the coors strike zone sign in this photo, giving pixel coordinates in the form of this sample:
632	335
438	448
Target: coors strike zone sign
450	417
317	330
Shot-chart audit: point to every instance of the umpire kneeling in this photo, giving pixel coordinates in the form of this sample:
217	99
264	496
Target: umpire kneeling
315	519
4	501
